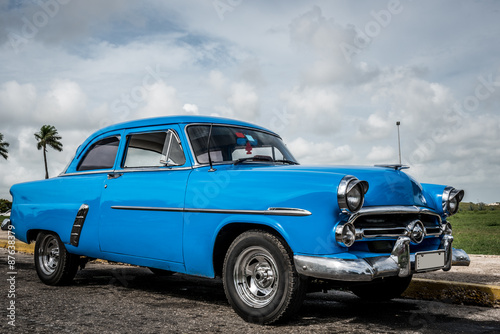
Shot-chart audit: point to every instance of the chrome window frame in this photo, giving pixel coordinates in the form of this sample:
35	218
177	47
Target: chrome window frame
196	164
152	168
83	155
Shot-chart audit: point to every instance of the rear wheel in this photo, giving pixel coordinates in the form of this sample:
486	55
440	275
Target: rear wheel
54	265
385	289
260	280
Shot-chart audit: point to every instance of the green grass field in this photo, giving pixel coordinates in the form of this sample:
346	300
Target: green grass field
477	232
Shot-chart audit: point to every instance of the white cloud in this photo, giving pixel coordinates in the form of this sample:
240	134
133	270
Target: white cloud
308	152
382	154
17	102
313	109
191	109
160	100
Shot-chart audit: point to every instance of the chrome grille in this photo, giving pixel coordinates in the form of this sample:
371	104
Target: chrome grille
391	222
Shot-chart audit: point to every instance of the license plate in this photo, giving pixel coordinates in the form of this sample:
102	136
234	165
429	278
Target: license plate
429	260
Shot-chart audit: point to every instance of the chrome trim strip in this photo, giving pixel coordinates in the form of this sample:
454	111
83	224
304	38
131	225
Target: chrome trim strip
103	171
268	212
381	210
152	169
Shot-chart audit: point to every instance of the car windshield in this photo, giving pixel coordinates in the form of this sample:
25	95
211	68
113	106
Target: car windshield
237	145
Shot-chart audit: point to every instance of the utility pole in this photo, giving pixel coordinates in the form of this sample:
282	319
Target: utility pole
398	123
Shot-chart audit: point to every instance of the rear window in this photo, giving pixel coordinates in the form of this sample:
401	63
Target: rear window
100	155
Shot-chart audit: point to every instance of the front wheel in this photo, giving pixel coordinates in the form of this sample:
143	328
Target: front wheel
260	280
385	289
54	265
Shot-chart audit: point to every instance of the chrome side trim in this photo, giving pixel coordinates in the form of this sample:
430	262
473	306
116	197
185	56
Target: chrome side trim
103	171
152	169
78	225
268	212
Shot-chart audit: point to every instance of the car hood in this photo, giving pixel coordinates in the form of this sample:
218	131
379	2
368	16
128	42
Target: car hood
387	186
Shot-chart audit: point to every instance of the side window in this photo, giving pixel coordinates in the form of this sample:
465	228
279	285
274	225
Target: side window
100	155
151	150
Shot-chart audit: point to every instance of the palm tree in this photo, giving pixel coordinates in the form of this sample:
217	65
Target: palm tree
48	136
3	148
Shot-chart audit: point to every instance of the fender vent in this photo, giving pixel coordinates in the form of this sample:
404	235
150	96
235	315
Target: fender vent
78	225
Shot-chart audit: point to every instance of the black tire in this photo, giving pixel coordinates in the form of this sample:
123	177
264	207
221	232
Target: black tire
383	290
260	280
54	265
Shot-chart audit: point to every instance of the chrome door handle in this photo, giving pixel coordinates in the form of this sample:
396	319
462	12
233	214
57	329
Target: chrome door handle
114	175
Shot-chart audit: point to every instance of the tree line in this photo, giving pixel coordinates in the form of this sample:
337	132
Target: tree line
46	137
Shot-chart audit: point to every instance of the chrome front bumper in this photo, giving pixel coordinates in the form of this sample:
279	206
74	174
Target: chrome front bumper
399	263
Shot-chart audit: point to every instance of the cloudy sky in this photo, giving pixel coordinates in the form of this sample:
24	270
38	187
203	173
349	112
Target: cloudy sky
332	77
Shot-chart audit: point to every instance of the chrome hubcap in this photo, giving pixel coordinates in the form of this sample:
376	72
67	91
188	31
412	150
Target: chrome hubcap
48	255
256	277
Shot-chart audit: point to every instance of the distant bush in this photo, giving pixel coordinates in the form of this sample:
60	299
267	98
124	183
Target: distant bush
5	205
468	206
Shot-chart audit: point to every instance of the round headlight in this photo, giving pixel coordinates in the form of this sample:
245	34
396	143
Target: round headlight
351	194
451	200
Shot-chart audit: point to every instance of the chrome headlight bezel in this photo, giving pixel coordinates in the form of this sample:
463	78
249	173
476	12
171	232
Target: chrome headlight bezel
349	188
451	200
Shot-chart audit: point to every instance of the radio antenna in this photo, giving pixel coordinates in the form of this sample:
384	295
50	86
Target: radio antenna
398	123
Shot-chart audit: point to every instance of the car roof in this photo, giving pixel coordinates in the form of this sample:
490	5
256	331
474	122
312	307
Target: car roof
177	119
180	119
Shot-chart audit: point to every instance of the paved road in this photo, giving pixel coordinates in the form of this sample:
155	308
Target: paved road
123	299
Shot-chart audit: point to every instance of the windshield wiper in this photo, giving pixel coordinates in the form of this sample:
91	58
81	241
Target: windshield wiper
260	158
285	161
239	161
264	159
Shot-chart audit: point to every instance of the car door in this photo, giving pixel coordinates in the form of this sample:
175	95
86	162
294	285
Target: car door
143	199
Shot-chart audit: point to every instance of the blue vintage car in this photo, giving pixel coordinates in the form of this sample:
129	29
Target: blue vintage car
214	197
